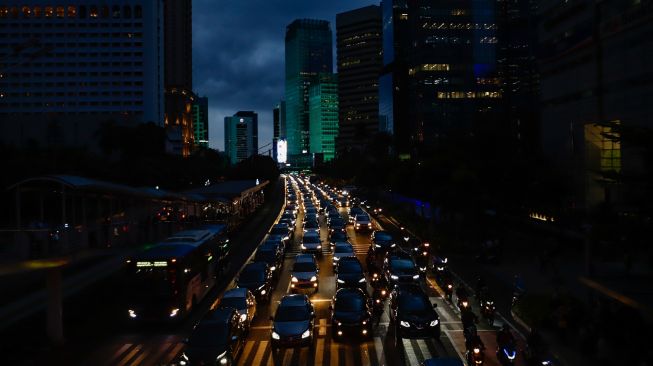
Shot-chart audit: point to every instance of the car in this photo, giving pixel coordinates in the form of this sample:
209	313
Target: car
343	202
243	301
351	314
291	208
362	222
399	267
349	273
338	236
293	322
217	340
271	254
411	313
342	249
353	212
311	211
333	216
382	242
337	224
290	218
311	225
311	243
282	229
304	274
256	277
331	209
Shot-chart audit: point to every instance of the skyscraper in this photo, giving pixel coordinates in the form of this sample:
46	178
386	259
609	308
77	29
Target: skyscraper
323	115
241	136
278	126
70	67
201	121
358	42
179	72
440	76
308	54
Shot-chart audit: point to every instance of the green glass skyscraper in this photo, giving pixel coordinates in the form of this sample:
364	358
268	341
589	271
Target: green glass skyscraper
323	116
308	54
201	121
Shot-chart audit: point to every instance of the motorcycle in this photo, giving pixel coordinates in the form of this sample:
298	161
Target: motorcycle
488	309
463	299
446	283
475	352
506	354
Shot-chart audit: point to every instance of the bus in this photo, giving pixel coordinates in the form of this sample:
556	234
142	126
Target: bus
167	280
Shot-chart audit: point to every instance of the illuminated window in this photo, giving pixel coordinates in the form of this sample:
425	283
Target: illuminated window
4	11
49	11
458	12
93	12
26	11
61	12
72	11
37	12
435	67
603	147
403	16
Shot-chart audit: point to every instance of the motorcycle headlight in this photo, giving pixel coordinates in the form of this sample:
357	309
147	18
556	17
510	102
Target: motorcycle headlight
361	280
275	335
303	246
415	277
273	268
449	286
313	279
294	279
263	292
477	350
375	275
132	313
243	317
434	323
393	245
319	247
404	324
174	312
464	304
306	334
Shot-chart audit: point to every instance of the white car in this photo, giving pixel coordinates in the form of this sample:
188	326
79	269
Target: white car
362	222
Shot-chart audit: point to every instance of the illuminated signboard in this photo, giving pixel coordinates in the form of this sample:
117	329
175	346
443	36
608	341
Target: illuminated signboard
152	264
282	151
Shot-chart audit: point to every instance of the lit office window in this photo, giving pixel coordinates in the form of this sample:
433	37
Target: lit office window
72	11
61	12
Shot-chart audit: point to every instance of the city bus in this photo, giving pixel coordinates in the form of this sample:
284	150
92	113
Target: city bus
167	280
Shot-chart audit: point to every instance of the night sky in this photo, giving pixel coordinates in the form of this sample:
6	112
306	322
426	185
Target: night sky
238	54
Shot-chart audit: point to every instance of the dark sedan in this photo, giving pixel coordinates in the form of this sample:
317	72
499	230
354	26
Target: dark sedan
217	340
351	314
411	313
292	324
272	255
257	278
399	267
349	273
382	241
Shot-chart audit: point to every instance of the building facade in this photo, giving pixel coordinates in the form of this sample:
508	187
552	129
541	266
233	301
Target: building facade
278	127
440	76
308	54
241	136
178	71
68	67
201	121
595	73
323	114
358	44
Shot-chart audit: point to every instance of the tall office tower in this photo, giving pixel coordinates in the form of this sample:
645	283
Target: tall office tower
278	126
358	43
241	136
323	114
69	67
201	121
308	54
517	59
595	73
439	77
178	73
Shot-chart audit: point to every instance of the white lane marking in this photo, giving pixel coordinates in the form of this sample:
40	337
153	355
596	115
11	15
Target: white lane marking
453	343
260	352
378	347
119	352
424	348
410	352
322	330
319	352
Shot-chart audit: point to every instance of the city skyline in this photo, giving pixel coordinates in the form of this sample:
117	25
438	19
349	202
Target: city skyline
251	54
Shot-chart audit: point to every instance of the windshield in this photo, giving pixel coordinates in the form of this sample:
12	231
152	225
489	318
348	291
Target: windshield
402	264
304	267
279	231
362	218
414	303
349	267
292	314
338	235
251	276
234	302
382	237
337	222
209	335
311	224
350	303
265	256
152	282
311	239
344	249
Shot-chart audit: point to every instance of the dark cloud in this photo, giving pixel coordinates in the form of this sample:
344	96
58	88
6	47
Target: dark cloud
238	54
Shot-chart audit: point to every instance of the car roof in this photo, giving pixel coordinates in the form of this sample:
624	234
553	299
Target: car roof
302	258
409	289
280	225
349	291
311	233
294	300
256	266
349	258
235	292
220	315
398	254
343	244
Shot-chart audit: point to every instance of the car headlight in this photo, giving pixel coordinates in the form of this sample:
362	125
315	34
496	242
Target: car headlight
340	281
303	246
369	224
394	277
222	358
404	324
174	312
434	323
184	360
263	292
243	317
313	279
361	280
275	335
364	322
294	279
393	245
336	258
449	286
477	350
415	277
306	334
132	313
319	247
377	245
375	275
423	269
